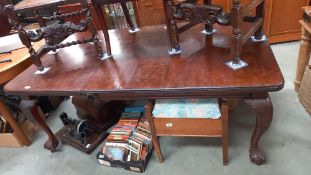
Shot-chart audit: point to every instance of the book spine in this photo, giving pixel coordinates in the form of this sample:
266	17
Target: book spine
115	144
142	136
117	137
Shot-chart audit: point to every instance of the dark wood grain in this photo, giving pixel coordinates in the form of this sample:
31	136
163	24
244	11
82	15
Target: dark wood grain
155	138
55	32
5	25
210	14
141	64
52	142
225	137
264	112
208	28
100	15
141	68
101	113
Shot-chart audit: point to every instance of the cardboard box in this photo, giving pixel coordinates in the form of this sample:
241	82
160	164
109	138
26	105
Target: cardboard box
9	140
137	166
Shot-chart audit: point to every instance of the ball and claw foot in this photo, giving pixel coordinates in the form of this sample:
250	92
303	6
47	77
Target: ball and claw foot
52	146
257	156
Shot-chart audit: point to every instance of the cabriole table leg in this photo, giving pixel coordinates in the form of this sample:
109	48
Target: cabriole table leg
52	142
264	111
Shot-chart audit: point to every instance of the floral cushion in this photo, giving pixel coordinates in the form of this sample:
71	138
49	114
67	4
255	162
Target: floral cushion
187	108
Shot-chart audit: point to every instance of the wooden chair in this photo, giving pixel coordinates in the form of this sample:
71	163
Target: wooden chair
5	25
54	32
101	14
305	47
189	127
244	27
99	17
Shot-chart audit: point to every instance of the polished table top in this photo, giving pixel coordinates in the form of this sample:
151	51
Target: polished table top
142	67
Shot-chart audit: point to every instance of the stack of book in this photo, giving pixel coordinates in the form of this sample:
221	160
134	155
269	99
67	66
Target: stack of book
143	130
121	132
129	144
139	143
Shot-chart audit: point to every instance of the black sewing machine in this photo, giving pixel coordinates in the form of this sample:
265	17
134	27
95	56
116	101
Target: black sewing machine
81	134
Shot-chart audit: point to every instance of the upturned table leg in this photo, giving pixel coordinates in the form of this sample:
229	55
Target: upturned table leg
264	112
237	34
104	27
52	142
303	58
209	29
172	29
127	16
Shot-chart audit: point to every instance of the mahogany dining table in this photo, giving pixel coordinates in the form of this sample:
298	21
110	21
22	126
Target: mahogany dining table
141	68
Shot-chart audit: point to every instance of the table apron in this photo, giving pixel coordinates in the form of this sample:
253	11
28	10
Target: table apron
120	96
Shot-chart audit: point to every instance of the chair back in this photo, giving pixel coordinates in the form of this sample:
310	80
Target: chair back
54	29
5	25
